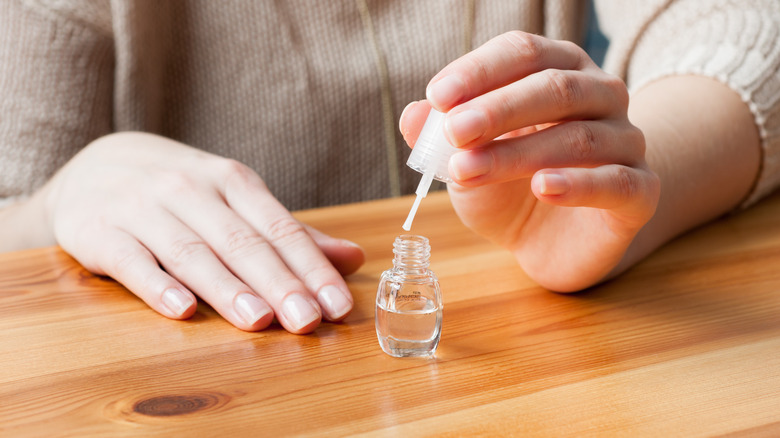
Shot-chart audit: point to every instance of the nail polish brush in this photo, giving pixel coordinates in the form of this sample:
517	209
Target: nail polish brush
430	157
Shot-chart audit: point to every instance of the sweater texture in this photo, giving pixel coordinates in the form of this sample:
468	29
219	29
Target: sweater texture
309	93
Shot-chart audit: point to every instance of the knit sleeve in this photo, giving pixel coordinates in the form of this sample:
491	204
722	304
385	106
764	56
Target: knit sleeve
732	41
56	67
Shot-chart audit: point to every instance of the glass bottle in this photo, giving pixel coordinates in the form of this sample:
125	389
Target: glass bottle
408	301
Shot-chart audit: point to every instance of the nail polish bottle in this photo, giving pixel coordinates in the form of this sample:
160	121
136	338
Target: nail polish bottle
408	301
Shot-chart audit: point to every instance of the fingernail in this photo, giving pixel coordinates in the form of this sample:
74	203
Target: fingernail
446	92
335	302
251	308
177	301
471	164
466	126
351	244
299	312
403	113
553	184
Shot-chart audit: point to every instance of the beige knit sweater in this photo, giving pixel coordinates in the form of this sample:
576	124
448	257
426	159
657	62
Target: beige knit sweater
308	93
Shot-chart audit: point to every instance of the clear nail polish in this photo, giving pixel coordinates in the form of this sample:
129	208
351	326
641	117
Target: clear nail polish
408	301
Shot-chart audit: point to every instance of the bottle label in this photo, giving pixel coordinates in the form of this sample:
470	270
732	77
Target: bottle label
413	296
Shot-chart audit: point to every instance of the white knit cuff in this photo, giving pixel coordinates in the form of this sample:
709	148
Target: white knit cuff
5	202
729	42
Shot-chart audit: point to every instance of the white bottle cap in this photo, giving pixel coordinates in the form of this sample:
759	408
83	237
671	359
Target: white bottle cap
431	157
432	151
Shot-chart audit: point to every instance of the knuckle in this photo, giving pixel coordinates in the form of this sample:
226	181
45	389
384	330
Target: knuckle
478	68
126	264
183	250
243	241
524	45
231	167
563	89
121	262
320	275
503	107
519	165
224	285
626	182
176	182
637	139
134	201
581	142
587	188
619	90
284	228
576	50
235	173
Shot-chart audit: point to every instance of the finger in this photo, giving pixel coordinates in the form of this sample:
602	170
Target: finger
547	96
298	255
499	62
415	114
125	260
344	255
256	262
412	120
187	257
570	144
613	187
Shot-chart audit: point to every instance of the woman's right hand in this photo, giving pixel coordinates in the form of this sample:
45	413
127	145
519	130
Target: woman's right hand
170	222
550	166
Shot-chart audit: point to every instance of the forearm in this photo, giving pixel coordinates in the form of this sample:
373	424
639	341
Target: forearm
704	145
23	225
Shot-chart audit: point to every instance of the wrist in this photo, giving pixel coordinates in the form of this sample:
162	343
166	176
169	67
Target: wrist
24	224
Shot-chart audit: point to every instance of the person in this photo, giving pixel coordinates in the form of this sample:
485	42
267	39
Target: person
164	143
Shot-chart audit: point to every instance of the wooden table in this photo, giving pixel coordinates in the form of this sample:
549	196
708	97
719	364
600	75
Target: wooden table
685	344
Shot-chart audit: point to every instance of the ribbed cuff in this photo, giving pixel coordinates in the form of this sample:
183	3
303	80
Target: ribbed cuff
731	43
5	202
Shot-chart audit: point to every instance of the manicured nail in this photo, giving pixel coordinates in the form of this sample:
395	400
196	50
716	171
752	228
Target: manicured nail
466	126
471	164
251	308
299	312
351	244
446	92
335	302
553	184
177	301
403	113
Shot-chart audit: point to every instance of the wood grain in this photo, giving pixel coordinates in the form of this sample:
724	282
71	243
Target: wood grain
687	343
